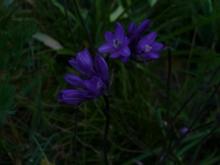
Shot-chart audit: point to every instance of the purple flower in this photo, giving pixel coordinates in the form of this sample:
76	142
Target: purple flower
135	32
116	44
92	81
184	130
148	48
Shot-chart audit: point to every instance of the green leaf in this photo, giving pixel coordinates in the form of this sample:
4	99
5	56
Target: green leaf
152	2
115	14
48	41
7	3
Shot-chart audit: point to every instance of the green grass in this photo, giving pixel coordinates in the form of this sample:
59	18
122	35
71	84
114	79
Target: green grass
36	129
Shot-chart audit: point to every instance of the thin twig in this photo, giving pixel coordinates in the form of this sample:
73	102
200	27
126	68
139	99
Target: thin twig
106	130
75	136
169	74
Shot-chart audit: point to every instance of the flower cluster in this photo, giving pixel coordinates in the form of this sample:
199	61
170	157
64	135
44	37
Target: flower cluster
93	79
133	44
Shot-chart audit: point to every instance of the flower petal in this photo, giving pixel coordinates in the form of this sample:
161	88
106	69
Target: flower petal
125	41
83	62
152	55
115	55
135	32
146	40
143	26
71	96
131	28
157	46
105	48
84	59
142	43
95	86
125	52
151	37
109	36
119	32
73	80
102	68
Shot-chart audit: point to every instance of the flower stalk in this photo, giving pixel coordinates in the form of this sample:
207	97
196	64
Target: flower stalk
106	130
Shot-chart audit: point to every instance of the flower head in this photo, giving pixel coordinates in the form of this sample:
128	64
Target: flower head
92	81
148	48
184	130
135	32
116	44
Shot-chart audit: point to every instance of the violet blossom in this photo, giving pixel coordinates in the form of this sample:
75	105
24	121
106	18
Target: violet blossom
116	44
92	81
148	48
135	43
